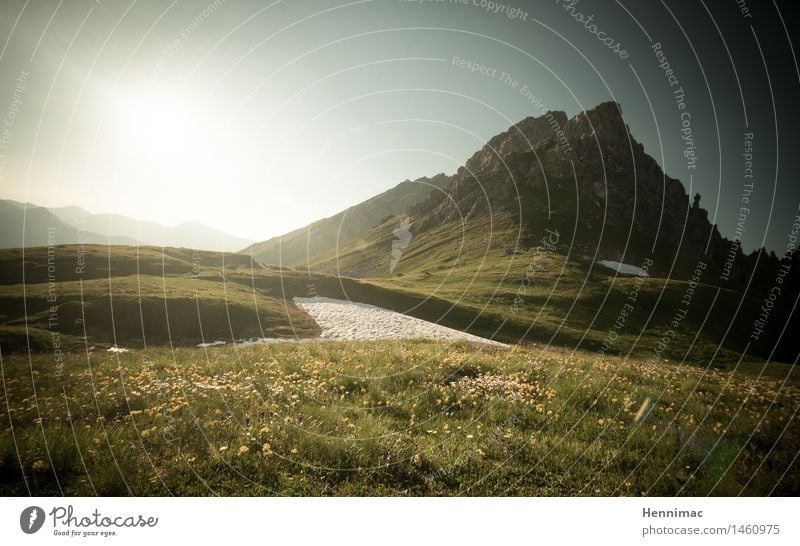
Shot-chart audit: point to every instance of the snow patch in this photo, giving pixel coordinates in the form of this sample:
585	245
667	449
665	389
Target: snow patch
210	344
341	319
625	269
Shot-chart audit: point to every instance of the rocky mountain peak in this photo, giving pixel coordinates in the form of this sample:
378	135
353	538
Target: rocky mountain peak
520	137
605	121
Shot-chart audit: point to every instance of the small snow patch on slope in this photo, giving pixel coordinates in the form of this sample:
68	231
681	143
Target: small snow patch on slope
625	269
341	319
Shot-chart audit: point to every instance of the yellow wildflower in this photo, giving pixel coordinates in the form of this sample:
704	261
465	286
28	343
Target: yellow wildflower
40	466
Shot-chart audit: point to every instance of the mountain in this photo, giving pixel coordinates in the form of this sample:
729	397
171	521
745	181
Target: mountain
519	231
348	225
595	185
585	177
74	225
31	226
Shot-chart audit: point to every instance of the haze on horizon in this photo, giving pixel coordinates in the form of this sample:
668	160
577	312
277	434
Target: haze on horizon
258	119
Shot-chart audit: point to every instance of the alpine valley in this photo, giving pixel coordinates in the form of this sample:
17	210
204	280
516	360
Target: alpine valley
640	352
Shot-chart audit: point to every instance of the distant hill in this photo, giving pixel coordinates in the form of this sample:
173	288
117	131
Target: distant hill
74	225
75	296
31	226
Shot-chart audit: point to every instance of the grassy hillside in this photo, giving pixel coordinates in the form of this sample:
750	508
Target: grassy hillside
394	418
73	262
477	280
480	277
327	234
160	296
134	297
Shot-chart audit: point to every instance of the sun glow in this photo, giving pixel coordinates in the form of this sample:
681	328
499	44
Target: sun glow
166	126
172	154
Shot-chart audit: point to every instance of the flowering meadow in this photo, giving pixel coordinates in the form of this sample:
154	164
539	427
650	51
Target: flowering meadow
393	418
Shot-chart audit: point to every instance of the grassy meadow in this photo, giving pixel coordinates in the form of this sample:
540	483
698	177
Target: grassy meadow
393	418
138	297
386	417
482	278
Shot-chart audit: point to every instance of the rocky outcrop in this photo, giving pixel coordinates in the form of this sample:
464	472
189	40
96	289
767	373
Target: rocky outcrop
588	176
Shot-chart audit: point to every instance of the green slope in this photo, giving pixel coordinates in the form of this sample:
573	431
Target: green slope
327	234
135	297
478	276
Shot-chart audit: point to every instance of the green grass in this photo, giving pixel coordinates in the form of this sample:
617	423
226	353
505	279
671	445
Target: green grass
393	418
135	297
74	262
19	339
464	279
481	277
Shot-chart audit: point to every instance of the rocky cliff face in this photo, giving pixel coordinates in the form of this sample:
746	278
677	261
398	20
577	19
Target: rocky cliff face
585	175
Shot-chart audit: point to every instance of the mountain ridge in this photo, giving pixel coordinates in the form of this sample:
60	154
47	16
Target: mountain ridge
549	170
73	225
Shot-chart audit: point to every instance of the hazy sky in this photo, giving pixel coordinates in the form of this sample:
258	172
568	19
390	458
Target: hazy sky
259	117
